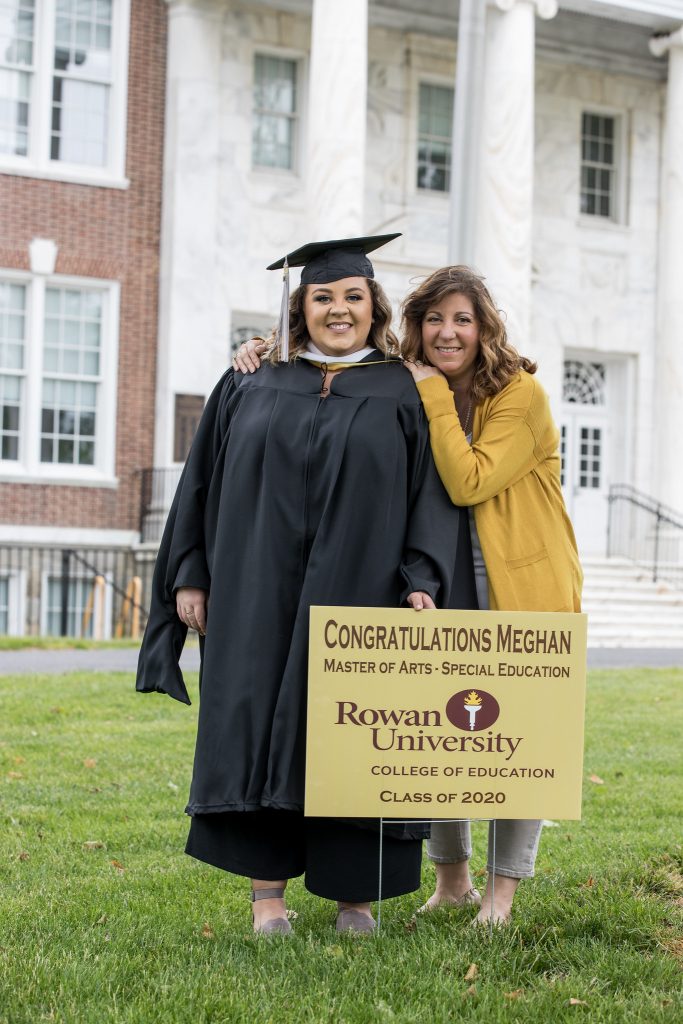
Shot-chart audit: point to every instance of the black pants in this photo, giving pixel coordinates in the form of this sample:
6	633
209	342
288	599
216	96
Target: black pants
340	860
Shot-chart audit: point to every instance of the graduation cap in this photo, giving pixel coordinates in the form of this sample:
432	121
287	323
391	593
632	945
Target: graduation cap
322	263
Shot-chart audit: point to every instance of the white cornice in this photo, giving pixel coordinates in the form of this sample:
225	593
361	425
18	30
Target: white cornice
651	13
657	15
548	49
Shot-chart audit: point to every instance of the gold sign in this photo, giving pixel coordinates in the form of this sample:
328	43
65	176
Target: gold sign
445	714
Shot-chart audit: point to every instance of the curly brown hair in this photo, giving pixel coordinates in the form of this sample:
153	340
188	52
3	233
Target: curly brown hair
498	362
381	335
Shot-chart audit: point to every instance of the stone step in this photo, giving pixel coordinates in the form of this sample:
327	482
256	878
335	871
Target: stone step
629	595
646	608
612	622
623	581
648	627
618	640
618	579
627	608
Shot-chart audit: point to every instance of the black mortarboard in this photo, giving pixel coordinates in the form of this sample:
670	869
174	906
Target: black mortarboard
324	262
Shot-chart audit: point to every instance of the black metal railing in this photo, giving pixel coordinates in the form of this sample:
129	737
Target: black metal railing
81	592
157	488
648	532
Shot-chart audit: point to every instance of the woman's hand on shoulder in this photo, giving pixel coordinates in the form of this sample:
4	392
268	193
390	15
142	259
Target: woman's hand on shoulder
191	604
247	357
420	371
418	601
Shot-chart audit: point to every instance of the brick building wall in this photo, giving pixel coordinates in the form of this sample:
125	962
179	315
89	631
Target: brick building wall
104	233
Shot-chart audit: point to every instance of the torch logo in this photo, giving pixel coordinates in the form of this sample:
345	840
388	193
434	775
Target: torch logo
472	710
472	705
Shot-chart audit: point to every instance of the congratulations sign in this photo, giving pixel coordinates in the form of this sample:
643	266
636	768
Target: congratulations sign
445	714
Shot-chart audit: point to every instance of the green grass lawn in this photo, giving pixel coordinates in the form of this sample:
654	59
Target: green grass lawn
104	919
61	643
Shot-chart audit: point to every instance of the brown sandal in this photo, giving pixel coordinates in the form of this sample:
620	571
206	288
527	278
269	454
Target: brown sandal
276	925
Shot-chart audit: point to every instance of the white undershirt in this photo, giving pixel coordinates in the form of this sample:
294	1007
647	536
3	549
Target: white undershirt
355	357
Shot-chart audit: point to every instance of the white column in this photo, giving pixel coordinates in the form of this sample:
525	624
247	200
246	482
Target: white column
668	398
188	266
337	114
504	202
469	81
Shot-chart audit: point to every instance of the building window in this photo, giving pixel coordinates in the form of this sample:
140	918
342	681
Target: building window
71	364
81	82
12	357
17	23
4	605
12	598
598	165
583	383
57	376
80	600
274	137
590	457
188	412
435	128
64	112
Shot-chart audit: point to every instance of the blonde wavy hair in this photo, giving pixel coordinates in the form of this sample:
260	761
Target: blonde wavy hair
380	337
498	362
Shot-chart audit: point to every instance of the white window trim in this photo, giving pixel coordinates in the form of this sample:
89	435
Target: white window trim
423	195
28	468
301	116
38	163
16	597
105	610
619	216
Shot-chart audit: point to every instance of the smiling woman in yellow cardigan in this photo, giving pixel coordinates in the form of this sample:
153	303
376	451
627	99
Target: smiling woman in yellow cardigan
496	449
510	474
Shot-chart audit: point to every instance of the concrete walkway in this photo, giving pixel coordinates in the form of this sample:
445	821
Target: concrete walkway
125	660
108	659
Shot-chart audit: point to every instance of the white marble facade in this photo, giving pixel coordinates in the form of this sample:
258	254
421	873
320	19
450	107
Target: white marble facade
593	283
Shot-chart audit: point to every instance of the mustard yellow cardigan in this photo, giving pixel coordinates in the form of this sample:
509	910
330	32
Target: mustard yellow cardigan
511	475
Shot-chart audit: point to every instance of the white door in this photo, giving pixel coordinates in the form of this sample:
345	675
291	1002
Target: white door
585	456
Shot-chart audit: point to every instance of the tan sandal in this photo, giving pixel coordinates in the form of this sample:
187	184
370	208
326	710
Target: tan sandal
276	925
470	898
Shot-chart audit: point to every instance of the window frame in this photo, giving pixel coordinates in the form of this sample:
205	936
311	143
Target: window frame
432	81
416	194
28	468
19	373
201	401
617	216
298	149
38	163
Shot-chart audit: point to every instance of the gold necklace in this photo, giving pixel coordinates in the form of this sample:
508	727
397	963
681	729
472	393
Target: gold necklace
466	424
467	418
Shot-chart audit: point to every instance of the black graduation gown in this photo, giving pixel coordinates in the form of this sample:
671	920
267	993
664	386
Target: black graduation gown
290	500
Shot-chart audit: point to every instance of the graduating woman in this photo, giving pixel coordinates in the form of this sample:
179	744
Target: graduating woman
310	482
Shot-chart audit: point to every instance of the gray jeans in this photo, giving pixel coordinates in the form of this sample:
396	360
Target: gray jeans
516	841
516	845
